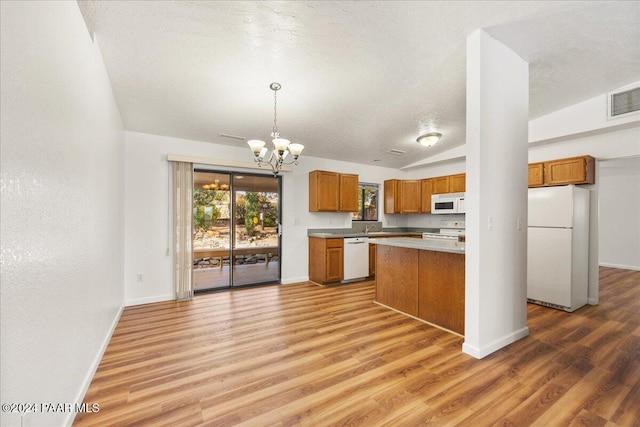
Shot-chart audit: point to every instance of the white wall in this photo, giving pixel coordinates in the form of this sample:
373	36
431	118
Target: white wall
147	233
619	189
62	209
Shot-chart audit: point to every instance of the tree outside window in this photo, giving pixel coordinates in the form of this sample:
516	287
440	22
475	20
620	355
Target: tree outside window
367	203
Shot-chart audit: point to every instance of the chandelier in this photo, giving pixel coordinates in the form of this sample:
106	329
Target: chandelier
281	147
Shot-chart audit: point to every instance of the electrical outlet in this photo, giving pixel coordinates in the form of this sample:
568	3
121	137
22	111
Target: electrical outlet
140	277
490	223
519	223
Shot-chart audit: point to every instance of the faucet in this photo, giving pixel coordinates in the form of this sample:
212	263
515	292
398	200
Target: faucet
367	228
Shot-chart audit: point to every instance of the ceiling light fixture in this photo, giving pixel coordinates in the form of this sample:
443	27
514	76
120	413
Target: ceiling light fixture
429	139
281	147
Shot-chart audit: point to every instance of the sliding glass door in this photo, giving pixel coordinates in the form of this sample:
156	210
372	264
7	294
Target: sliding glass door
236	237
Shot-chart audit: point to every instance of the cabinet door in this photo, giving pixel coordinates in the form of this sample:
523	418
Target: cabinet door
536	174
575	170
334	264
440	184
348	193
324	190
410	196
457	183
426	186
392	196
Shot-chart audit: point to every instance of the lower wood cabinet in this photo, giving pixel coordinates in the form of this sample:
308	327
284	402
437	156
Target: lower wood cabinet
398	286
326	260
429	285
441	289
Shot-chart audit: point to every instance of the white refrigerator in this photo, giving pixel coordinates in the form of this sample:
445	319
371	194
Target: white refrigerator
558	247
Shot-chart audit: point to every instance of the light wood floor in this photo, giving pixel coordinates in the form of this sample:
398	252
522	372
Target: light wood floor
307	355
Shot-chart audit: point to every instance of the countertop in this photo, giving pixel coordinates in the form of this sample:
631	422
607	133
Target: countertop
358	231
423	244
371	234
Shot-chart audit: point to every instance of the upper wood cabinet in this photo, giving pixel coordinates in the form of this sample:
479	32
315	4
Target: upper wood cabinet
348	193
410	196
536	174
392	196
402	196
457	183
426	186
572	170
332	192
440	185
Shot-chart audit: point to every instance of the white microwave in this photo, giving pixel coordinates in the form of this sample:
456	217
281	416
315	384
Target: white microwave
450	203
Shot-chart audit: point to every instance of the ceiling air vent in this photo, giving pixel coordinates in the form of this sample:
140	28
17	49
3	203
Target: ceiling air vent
624	102
396	151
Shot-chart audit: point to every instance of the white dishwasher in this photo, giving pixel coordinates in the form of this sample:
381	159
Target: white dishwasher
356	258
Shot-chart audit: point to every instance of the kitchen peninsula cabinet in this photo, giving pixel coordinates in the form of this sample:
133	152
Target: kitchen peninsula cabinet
398	286
326	264
441	289
332	192
423	279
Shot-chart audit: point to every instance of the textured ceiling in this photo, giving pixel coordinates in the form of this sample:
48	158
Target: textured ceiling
358	78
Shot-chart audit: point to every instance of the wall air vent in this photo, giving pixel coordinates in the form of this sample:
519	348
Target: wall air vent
624	102
396	151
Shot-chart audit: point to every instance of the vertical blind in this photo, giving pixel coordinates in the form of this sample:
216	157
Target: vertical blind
182	217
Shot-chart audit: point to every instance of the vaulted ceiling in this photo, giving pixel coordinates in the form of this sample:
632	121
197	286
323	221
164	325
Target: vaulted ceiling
358	78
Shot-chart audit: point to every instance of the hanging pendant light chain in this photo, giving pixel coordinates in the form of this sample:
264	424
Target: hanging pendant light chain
275	114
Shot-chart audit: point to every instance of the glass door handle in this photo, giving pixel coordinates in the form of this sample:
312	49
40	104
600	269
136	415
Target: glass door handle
279	229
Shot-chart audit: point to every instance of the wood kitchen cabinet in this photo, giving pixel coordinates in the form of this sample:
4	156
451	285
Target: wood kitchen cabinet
441	279
398	287
326	260
426	187
457	183
440	184
574	170
536	174
348	199
332	192
410	196
402	196
392	196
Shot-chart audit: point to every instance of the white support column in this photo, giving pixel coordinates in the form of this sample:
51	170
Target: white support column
496	199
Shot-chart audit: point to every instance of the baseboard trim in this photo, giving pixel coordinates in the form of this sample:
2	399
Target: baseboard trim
294	280
149	300
620	266
481	352
94	366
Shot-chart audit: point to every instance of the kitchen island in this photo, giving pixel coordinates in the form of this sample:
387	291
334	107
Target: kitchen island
423	279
